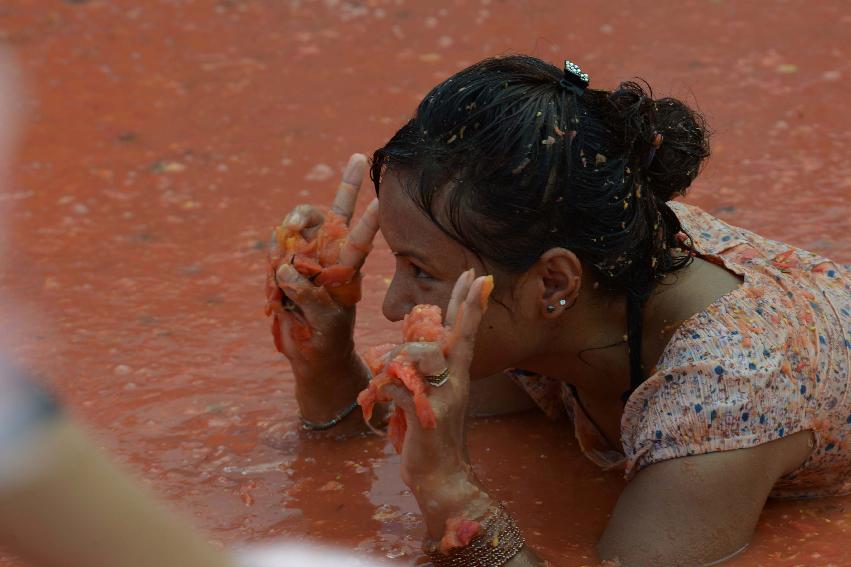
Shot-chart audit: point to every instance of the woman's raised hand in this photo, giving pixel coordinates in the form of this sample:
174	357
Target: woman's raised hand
316	322
313	321
435	455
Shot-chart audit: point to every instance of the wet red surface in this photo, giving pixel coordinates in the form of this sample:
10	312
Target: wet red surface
166	138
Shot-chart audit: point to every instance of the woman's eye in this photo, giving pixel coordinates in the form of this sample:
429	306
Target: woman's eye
420	273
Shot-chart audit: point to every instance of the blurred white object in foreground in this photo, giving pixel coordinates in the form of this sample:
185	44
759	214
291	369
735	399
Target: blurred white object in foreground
300	555
23	412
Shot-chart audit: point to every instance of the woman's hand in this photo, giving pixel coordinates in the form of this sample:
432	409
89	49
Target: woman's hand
313	328
435	464
314	324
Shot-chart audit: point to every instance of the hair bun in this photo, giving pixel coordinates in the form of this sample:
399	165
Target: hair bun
669	167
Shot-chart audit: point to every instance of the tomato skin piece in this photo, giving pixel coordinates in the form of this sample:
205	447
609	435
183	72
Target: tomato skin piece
334	276
407	373
425	413
300	330
273	292
276	334
374	357
315	259
372	395
271	283
459	532
347	294
397	427
424	324
402	371
307	266
366	401
312	258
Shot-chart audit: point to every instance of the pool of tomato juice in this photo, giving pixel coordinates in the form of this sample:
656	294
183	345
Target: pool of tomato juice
164	139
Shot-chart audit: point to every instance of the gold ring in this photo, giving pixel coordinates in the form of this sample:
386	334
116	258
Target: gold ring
439	379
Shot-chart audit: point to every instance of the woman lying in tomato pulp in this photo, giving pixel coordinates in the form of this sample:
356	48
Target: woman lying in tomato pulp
706	362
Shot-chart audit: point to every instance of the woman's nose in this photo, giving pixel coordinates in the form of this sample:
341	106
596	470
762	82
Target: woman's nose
396	302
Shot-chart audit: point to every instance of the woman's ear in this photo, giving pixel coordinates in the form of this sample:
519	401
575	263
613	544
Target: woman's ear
558	277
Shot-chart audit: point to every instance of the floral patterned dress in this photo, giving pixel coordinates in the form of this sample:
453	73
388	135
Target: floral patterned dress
767	360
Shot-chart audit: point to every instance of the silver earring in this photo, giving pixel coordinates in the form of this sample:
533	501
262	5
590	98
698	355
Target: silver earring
562	302
551	308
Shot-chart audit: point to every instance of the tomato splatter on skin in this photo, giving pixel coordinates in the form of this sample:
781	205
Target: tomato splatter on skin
459	532
316	259
422	324
397	427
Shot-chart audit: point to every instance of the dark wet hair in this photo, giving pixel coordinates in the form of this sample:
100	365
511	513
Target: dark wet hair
511	164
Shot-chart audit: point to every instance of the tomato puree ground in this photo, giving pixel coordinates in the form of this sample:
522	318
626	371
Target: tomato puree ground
165	138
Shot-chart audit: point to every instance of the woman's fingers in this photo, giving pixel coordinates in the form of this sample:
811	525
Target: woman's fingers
459	293
347	192
304	217
402	397
308	220
299	289
352	255
359	242
428	357
304	308
471	311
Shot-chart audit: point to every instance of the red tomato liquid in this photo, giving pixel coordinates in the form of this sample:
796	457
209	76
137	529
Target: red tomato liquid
166	138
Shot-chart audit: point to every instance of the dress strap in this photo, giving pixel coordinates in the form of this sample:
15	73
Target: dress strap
633	337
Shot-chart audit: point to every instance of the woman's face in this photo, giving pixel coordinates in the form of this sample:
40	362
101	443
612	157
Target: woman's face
428	262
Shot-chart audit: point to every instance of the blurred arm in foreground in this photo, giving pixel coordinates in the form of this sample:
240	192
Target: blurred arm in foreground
62	503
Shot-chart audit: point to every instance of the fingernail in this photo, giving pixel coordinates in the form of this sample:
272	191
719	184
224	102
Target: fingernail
350	164
295	219
284	273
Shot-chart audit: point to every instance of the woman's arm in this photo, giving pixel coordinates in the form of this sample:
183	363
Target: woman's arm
698	510
313	320
469	525
458	494
687	511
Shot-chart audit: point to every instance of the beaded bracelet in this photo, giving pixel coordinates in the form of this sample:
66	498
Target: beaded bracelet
499	539
313	426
